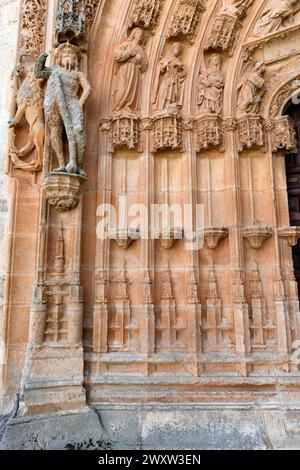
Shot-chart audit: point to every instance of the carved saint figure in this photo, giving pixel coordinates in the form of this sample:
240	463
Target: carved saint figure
211	85
234	7
29	100
63	107
169	83
251	90
273	19
133	62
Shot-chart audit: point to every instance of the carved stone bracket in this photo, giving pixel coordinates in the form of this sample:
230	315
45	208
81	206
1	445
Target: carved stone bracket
224	33
213	236
284	135
209	132
124	132
290	234
167	132
186	18
62	190
250	132
257	235
168	237
144	13
124	237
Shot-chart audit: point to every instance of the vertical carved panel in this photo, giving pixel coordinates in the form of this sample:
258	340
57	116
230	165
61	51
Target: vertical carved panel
33	22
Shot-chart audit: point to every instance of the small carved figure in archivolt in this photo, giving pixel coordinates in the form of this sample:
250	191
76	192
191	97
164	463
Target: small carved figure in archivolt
133	62
211	85
234	7
63	107
29	102
273	19
169	83
251	90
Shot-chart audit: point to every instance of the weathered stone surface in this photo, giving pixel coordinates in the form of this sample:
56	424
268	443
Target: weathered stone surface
156	428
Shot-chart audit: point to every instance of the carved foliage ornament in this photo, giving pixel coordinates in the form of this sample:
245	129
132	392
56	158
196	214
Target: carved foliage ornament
33	20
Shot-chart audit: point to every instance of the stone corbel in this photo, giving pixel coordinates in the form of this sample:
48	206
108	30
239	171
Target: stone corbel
168	237
213	236
257	235
124	237
250	132
290	234
209	132
124	132
63	190
167	132
284	135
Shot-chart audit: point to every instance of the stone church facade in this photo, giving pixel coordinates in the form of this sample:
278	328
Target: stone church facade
143	338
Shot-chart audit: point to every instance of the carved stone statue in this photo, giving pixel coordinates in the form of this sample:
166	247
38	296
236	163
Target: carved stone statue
29	101
63	107
251	90
234	7
273	19
133	62
169	83
211	85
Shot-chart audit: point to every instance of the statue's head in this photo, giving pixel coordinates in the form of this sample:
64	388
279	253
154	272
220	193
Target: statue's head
260	67
177	49
137	34
67	56
215	60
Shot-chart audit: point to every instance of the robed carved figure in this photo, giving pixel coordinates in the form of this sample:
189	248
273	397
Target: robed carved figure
251	90
133	62
169	83
274	17
63	107
211	85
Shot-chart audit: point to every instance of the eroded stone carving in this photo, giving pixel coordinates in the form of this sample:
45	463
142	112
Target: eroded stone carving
284	135
169	83
125	237
210	87
131	56
251	90
209	132
186	18
144	13
250	132
227	25
63	107
74	18
124	132
29	102
275	17
167	132
32	28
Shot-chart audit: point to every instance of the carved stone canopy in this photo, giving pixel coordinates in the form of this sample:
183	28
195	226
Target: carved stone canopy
290	234
62	190
257	235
